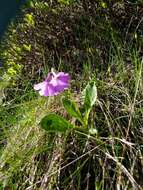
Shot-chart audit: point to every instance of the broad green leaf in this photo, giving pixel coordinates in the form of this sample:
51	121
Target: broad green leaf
55	123
72	108
90	95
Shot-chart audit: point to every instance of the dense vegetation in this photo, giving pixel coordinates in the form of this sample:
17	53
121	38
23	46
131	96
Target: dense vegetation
92	40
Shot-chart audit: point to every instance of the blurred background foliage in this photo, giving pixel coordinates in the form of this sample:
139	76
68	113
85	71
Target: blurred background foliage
71	31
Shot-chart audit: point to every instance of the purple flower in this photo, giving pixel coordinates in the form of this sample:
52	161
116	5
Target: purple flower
53	84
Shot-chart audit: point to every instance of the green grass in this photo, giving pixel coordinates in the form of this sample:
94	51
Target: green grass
31	158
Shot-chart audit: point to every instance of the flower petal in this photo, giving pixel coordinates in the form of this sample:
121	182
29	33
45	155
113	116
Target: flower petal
39	86
63	77
61	80
53	84
50	90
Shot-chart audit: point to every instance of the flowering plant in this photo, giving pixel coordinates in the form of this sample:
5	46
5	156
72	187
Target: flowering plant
54	84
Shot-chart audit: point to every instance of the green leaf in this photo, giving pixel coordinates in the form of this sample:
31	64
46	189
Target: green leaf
72	108
55	123
90	95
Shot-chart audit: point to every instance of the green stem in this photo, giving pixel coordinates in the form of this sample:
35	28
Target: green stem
86	118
